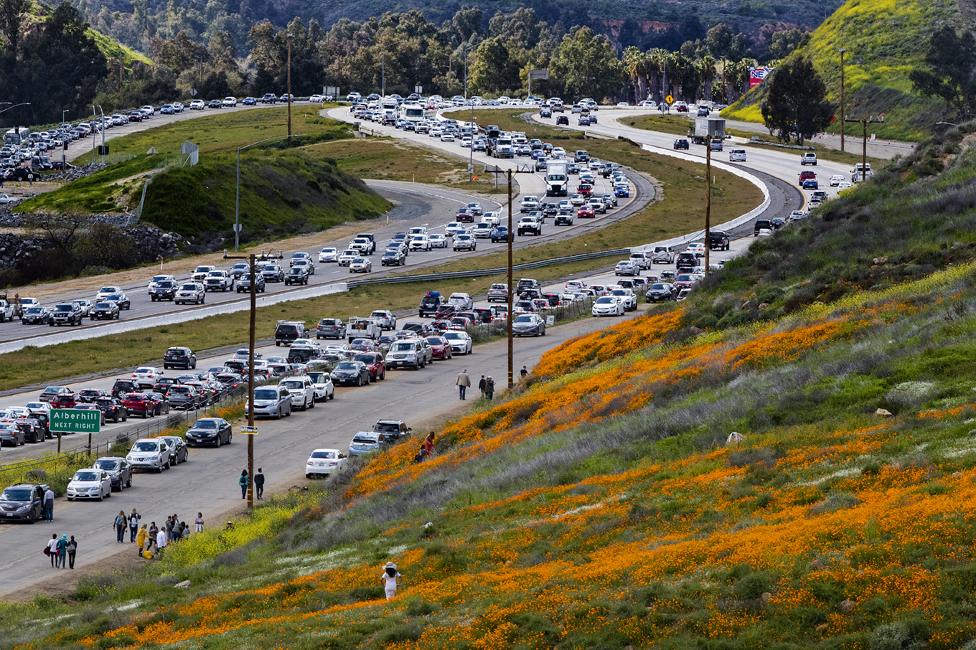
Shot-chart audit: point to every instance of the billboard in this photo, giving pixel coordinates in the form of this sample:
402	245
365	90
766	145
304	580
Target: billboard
758	75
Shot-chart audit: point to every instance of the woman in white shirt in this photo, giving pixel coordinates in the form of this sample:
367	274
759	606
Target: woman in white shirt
390	578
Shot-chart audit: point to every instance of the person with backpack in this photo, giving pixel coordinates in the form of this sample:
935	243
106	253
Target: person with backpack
489	387
481	386
120	523
72	548
62	551
391	579
51	550
242	481
259	484
134	518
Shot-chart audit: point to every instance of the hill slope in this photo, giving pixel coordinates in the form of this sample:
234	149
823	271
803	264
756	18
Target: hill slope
601	505
885	41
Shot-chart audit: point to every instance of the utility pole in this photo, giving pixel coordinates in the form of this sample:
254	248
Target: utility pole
864	143
288	75
382	78
708	201
842	116
511	290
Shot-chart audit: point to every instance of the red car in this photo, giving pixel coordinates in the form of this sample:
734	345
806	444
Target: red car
374	364
460	323
807	176
445	311
140	404
440	347
584	189
463	216
64	401
441	325
586	212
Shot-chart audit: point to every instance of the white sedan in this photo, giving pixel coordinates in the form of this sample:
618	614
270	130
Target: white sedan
437	241
324	462
697	248
837	179
460	342
454	228
146	375
607	306
360	265
89	484
328	254
465	242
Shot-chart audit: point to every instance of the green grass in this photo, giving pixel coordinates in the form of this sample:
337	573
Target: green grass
885	40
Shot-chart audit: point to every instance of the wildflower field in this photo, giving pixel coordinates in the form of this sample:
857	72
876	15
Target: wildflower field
604	504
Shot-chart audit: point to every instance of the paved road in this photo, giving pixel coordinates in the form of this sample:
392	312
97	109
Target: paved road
208	483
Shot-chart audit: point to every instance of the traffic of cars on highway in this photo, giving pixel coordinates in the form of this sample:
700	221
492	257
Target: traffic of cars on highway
311	364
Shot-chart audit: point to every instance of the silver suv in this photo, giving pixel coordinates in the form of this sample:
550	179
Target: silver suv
271	402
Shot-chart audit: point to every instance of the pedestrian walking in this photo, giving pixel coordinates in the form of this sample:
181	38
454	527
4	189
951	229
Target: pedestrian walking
72	549
259	484
489	387
391	578
51	550
141	538
243	483
199	522
429	444
62	550
481	386
463	382
49	504
121	521
524	372
134	518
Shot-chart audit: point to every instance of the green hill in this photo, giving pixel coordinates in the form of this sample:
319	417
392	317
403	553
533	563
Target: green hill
605	503
885	40
109	46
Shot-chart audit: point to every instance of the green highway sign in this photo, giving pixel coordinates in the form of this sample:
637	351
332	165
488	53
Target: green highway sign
76	420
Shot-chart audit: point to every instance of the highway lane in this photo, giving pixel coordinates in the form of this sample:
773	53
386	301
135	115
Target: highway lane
208	483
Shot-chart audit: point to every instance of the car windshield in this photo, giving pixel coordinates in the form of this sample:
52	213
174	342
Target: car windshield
524	318
35	310
317	377
86	476
605	300
17	494
205	424
266	393
365	358
452	335
331	455
346	365
145	446
403	347
63	307
293	384
107	465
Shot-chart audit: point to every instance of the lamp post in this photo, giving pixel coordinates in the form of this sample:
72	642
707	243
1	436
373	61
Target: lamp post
288	77
842	116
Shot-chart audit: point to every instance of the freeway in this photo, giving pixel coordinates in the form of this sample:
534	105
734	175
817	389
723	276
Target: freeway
208	483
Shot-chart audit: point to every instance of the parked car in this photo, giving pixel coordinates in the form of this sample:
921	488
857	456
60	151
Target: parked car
607	306
89	484
118	470
529	325
149	453
718	240
324	462
351	373
364	442
271	401
22	502
178	451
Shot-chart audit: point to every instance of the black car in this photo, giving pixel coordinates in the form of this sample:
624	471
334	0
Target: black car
429	305
762	224
681	143
112	408
118	470
209	431
686	261
164	290
778	222
718	240
105	310
23	502
296	275
562	120
90	395
215	103
245	284
179	357
35	316
661	292
66	313
185	398
124	386
35	429
393	258
351	373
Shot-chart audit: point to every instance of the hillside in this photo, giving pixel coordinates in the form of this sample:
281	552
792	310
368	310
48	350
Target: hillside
630	21
603	504
110	47
885	41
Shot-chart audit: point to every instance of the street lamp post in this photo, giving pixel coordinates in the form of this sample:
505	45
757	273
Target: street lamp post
842	116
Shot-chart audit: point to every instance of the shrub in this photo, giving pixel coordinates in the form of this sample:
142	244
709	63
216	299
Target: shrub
910	634
398	634
835	502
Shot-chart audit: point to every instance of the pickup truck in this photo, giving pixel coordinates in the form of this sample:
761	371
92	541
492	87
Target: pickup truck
7	311
529	226
363	328
218	281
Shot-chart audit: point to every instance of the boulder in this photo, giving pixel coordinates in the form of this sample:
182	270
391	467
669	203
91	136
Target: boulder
885	413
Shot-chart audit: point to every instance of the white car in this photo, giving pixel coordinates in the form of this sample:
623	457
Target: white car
229	102
89	484
419	243
328	254
360	265
460	342
39	407
447	137
322	387
201	272
627	298
324	462
146	375
697	248
301	390
607	306
737	155
575	286
454	228
6	199
102	294
197	105
465	242
482	230
148	453
346	257
437	241
836	180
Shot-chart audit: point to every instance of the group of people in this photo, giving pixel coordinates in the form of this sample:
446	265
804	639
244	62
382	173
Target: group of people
258	483
426	449
152	540
486	384
62	551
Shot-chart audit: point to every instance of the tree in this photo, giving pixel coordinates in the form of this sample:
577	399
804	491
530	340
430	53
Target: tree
11	17
950	68
796	105
586	64
786	41
493	71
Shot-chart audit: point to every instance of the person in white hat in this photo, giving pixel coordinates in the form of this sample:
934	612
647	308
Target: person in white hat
390	578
